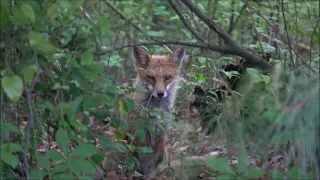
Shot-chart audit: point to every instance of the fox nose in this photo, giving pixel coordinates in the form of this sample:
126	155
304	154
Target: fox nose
160	94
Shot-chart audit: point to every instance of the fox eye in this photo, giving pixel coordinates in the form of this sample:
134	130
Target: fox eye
167	77
150	77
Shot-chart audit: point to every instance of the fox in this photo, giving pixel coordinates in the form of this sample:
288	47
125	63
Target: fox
159	75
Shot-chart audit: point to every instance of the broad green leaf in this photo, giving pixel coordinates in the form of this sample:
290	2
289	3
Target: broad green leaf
97	158
28	74
255	174
130	105
78	125
266	79
11	147
219	164
13	87
244	161
63	140
86	58
275	174
9	158
130	162
58	168
90	102
84	178
54	155
104	25
40	43
37	174
4	17
156	33
83	150
63	176
102	114
81	166
225	177
7	127
28	11
18	17
43	162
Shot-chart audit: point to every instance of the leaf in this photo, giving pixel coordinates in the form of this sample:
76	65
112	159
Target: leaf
255	174
84	178
28	74
225	177
130	162
54	155
63	176
266	79
37	174
63	140
130	105
102	114
18	17
275	174
90	102
13	87
78	165
4	17
58	168
104	25
84	150
156	33
11	147
219	164
38	42
244	161
43	162
9	158
28	11
98	158
86	58
7	127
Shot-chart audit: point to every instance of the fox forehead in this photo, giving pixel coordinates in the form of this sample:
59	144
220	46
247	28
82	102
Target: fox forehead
160	65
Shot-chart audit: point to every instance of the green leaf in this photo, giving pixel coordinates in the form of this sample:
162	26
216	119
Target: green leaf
102	114
78	165
275	174
9	158
63	176
244	162
63	140
86	58
255	174
225	177
130	162
7	127
37	174
58	168
13	87
83	151
90	102
38	42
130	105
28	11
11	147
43	162
84	178
144	149
18	17
28	74
4	17
219	164
97	158
54	155
156	33
266	79
104	25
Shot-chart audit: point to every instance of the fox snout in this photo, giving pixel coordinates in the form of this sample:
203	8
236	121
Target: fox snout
158	92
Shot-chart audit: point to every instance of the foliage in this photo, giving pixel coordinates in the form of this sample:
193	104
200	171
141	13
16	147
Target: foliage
64	65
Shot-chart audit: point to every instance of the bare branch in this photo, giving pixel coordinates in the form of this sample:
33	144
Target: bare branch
184	21
31	117
237	50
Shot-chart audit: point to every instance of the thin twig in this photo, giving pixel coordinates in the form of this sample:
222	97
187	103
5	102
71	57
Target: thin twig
31	116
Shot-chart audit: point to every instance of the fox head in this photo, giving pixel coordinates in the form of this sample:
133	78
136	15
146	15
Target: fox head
158	72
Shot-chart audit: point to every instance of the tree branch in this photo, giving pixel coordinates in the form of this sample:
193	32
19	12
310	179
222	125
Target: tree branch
184	21
31	117
212	47
237	50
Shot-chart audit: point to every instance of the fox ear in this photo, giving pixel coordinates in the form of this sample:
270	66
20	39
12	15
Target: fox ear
141	57
177	55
